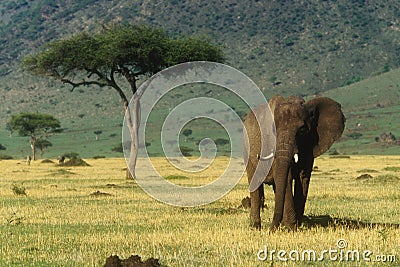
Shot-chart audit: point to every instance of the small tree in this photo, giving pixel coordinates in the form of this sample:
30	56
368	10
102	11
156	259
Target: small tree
42	145
97	133
129	52
186	133
37	126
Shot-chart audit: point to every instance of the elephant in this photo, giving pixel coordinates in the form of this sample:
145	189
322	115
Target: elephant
303	130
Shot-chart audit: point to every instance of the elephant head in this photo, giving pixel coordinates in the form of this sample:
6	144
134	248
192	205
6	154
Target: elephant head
304	130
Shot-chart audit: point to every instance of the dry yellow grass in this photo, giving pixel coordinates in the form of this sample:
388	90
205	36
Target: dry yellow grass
59	222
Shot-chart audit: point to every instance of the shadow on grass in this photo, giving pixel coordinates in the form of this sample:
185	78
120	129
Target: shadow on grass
328	221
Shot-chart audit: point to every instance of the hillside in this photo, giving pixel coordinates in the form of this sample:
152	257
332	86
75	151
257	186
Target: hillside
371	107
308	46
289	47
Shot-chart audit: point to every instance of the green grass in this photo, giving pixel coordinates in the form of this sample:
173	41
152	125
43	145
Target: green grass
392	168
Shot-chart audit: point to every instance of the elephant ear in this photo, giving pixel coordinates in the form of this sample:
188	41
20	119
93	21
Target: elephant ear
328	120
274	102
259	143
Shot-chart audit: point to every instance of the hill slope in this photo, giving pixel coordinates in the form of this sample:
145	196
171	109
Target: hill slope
308	46
371	108
289	47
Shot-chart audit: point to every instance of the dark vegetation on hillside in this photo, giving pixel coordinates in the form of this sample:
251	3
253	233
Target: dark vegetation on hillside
307	46
286	47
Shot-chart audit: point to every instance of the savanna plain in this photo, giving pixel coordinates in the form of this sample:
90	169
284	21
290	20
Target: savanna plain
78	216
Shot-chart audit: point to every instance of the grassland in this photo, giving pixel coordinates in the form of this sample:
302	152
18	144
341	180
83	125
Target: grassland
370	106
60	222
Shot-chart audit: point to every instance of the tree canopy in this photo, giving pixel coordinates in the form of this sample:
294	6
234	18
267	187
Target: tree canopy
37	126
126	50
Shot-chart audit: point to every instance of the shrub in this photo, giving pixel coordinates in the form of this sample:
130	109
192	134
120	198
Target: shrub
186	151
71	155
176	177
19	190
5	157
221	141
353	79
118	148
355	135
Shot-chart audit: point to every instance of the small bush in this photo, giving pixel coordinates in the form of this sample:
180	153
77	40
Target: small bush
355	135
221	141
392	169
15	219
5	157
352	80
71	155
118	148
186	151
19	190
387	178
367	170
176	177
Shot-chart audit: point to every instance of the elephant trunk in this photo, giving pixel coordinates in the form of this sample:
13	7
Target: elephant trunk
283	157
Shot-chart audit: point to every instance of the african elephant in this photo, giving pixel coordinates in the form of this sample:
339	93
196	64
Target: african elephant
304	131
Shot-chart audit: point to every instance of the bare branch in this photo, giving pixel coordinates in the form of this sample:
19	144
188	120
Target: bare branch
82	83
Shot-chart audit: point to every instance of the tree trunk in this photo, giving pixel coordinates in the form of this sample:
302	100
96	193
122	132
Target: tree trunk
133	122
33	146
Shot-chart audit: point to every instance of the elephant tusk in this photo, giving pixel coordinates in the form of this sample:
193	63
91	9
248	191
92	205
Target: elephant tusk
296	158
270	156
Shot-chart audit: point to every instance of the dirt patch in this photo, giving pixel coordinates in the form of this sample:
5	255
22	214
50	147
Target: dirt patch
132	261
100	194
364	176
47	161
74	162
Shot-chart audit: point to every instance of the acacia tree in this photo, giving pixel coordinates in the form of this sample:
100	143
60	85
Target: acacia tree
37	126
122	52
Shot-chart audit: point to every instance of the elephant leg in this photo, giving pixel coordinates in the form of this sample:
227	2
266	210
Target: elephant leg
300	196
289	214
257	201
301	191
